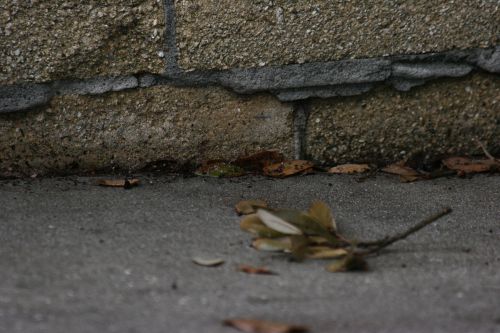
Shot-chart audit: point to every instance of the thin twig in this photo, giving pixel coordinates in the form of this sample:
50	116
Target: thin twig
486	152
382	243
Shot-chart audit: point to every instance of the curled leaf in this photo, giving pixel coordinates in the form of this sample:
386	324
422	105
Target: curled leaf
253	224
324	252
255	270
208	262
321	212
261	326
273	245
246	207
277	223
125	183
349	169
351	262
288	168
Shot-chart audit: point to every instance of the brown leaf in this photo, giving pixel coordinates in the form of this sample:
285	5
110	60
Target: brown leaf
321	212
261	326
464	165
273	245
208	262
288	168
253	224
351	262
260	160
246	207
349	168
406	173
125	183
219	169
255	270
299	247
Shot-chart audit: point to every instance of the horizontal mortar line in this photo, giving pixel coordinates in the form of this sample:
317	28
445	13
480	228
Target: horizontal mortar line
288	83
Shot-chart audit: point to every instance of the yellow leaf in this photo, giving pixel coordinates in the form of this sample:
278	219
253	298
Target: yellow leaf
349	169
273	245
246	207
125	183
321	212
324	252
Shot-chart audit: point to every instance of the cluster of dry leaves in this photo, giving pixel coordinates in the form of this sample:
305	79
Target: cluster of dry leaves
269	163
273	164
312	234
461	166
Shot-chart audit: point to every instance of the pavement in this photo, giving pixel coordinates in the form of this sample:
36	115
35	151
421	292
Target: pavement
75	257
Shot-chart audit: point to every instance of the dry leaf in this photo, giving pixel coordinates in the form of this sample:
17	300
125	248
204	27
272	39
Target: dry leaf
324	252
321	212
253	224
277	223
260	160
288	168
261	326
219	169
349	168
273	245
255	270
351	262
125	183
246	207
208	262
406	173
464	165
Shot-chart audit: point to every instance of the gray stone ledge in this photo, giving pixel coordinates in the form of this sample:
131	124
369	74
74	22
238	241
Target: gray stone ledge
288	83
347	77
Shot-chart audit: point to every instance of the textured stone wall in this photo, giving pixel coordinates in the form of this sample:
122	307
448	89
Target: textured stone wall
441	118
129	129
120	84
240	33
59	39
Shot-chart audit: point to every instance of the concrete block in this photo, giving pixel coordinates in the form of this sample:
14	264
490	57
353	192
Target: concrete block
51	40
129	129
239	33
440	118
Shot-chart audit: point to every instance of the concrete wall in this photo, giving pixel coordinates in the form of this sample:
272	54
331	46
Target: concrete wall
122	84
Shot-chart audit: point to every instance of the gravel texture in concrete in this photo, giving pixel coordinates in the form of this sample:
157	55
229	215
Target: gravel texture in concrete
75	257
132	128
50	40
429	122
227	33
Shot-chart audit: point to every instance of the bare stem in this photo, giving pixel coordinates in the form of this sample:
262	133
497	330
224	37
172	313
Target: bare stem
385	242
485	151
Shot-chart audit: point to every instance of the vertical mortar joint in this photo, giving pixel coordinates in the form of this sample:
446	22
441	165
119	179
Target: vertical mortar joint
300	117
